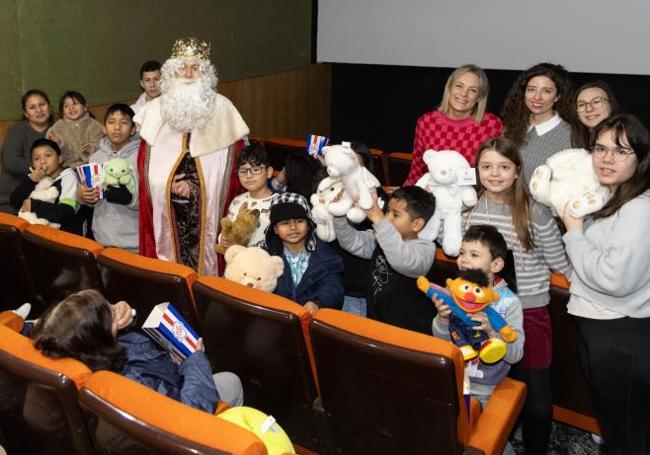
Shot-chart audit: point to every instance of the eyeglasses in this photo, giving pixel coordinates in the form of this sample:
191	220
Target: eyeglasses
596	103
255	170
619	153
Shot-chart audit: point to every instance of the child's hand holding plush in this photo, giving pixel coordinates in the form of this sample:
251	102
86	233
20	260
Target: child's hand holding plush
118	180
118	195
374	213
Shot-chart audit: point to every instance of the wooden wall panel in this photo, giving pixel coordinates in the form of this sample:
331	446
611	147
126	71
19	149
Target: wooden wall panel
289	104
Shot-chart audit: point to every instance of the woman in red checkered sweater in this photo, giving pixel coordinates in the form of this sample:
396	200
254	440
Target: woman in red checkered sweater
460	123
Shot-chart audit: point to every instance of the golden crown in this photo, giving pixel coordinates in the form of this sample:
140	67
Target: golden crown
191	48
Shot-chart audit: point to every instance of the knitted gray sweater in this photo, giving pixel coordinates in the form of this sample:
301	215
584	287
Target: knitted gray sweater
537	149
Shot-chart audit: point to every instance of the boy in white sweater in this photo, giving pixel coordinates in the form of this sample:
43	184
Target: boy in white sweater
254	170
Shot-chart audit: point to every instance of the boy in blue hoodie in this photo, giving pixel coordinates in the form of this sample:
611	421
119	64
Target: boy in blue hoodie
115	217
485	249
313	272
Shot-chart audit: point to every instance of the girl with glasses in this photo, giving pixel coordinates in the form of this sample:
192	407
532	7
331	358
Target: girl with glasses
594	102
610	288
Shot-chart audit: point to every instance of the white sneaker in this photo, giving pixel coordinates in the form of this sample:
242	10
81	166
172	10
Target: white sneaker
23	310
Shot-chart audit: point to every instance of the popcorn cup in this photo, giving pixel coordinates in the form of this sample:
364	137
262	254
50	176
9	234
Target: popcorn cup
90	175
315	145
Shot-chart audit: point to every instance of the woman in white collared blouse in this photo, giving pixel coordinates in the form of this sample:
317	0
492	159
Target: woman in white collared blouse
538	114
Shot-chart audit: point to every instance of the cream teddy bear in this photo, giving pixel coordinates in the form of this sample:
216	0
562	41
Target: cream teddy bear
359	183
442	180
44	191
253	267
329	189
568	180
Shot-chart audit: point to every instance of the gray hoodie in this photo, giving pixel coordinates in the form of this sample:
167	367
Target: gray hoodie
116	224
611	260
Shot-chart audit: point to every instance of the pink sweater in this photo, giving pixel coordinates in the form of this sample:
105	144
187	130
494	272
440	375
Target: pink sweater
436	131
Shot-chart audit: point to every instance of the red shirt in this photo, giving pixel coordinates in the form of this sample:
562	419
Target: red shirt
436	131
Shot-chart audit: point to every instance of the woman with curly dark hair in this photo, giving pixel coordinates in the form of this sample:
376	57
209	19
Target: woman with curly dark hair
538	114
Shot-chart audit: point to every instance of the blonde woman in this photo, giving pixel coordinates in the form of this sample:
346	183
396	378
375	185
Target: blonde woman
460	122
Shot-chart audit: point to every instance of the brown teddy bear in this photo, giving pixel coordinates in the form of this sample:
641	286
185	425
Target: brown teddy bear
240	231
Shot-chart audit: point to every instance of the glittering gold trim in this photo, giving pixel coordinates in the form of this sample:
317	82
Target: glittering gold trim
191	48
226	188
203	217
168	195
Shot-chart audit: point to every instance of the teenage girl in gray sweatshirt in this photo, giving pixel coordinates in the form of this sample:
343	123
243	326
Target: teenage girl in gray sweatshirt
610	288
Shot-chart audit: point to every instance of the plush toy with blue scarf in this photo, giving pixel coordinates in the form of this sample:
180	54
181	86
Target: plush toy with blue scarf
465	295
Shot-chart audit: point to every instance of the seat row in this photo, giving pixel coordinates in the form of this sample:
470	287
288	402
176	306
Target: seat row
391	169
572	401
70	409
334	381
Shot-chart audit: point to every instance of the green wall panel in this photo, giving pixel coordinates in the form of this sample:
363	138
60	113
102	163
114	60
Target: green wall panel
10	80
97	46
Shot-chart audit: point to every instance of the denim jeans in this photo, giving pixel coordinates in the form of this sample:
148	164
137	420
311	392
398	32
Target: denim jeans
354	305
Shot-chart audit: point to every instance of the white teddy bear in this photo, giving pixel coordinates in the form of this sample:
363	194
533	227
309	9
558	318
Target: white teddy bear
44	191
568	180
328	190
442	180
359	183
253	267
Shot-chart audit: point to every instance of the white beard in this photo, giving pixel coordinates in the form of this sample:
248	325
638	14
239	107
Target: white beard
187	105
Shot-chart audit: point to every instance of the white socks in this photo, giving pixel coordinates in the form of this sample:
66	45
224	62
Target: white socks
23	310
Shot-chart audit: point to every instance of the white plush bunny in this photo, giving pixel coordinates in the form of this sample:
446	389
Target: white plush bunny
44	191
568	180
359	183
442	181
329	189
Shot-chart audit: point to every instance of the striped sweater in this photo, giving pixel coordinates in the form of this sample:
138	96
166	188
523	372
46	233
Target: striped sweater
531	266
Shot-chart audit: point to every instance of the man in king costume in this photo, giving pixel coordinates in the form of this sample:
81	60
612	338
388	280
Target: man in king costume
191	136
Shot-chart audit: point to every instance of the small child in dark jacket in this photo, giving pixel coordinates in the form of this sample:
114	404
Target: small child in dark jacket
84	326
313	272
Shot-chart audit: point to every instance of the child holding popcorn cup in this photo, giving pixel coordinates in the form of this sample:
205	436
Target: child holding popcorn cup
115	215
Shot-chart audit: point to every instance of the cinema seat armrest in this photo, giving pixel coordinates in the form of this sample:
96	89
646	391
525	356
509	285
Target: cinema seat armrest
11	320
493	427
221	406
